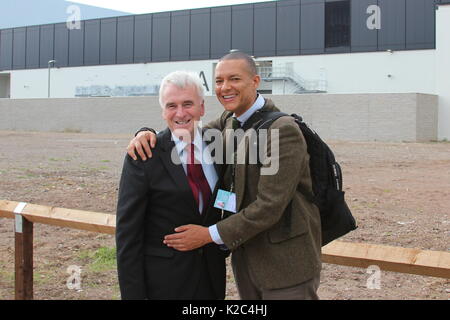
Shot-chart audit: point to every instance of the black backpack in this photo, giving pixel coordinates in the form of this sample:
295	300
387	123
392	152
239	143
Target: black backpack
326	175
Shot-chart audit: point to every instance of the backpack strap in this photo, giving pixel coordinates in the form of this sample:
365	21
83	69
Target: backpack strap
267	118
266	121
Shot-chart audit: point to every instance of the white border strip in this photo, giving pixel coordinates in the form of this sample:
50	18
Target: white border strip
18	226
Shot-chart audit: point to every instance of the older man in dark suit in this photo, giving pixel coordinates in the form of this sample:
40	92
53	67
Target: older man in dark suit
173	188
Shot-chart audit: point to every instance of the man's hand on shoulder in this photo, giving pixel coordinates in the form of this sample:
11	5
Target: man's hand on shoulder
142	143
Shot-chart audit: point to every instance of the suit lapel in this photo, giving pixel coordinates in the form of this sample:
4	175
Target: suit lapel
175	170
211	145
210	206
240	174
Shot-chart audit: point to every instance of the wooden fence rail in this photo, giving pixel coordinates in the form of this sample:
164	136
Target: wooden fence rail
388	258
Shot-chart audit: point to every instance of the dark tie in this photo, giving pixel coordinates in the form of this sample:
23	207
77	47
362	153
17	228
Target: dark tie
197	180
236	124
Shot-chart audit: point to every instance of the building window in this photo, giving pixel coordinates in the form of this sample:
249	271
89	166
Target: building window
337	24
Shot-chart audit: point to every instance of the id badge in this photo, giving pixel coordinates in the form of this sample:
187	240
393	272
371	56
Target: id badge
225	200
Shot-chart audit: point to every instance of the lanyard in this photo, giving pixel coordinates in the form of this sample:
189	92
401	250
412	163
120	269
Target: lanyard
233	175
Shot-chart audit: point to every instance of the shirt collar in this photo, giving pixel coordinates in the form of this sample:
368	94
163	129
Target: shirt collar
259	103
181	145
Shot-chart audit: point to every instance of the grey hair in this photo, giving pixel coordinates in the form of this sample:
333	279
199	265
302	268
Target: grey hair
182	79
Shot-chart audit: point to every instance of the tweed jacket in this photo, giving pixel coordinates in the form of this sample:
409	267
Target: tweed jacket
277	228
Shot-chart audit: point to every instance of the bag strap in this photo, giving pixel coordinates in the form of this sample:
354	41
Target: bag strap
268	118
266	121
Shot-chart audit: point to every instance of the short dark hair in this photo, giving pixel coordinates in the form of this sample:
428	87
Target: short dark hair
239	55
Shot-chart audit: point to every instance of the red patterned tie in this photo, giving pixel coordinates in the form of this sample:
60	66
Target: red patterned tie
197	180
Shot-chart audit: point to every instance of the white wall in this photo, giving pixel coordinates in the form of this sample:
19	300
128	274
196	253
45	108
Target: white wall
443	69
411	71
29	84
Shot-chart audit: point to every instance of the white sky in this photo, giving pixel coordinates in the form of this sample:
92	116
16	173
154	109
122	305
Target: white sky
147	6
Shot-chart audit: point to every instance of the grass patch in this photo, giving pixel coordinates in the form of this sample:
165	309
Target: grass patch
7	275
58	159
440	141
40	278
93	169
100	260
72	130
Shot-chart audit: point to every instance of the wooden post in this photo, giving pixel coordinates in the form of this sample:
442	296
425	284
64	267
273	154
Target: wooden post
23	231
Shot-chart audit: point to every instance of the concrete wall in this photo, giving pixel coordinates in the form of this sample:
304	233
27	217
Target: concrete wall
366	117
362	117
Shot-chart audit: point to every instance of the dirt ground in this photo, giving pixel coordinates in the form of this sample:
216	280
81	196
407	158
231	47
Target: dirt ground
398	192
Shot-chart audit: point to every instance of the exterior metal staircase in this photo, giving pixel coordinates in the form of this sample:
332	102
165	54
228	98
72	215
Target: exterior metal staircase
286	73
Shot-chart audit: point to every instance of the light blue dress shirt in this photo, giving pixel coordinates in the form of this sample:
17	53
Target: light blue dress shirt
259	103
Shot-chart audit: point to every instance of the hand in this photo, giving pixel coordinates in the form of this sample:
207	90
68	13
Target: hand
188	237
145	140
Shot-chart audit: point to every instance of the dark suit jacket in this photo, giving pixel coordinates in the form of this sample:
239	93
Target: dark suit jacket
154	199
282	247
